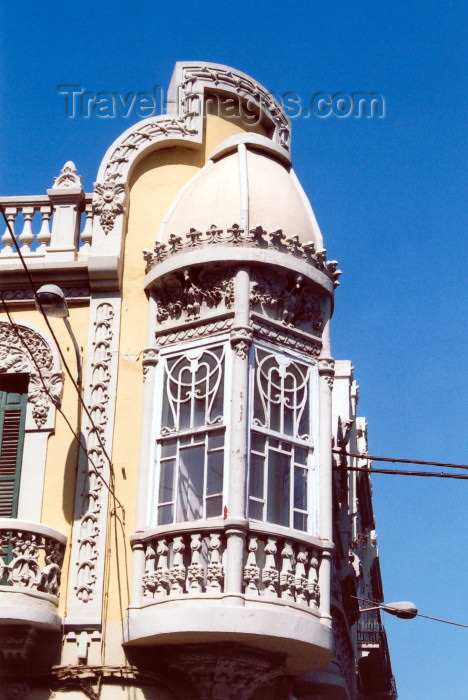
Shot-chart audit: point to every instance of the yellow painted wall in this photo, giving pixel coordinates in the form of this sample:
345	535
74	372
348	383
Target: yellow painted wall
62	449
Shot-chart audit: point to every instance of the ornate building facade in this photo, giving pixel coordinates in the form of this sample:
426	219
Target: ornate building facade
182	522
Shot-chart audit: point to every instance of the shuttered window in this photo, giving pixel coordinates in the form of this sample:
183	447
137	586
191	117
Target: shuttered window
13	400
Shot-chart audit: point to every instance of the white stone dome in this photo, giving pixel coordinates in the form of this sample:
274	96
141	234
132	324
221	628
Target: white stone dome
248	180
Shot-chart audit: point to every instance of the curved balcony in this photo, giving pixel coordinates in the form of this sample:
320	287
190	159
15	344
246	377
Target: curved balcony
231	581
31	557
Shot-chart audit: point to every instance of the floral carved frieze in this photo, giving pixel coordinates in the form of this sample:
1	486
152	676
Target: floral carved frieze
288	299
183	295
109	200
236	236
17	350
243	86
142	136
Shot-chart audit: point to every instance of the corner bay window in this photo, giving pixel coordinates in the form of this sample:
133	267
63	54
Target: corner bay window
190	443
193	393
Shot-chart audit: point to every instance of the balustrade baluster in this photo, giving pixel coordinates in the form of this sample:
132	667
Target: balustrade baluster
148	582
215	571
300	578
177	570
313	585
43	237
287	575
87	233
162	570
195	573
251	570
26	237
7	240
270	574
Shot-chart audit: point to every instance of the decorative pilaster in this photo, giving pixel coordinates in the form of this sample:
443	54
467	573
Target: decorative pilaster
88	559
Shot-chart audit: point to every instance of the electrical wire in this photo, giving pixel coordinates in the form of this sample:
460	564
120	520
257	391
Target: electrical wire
401	472
402	460
427	617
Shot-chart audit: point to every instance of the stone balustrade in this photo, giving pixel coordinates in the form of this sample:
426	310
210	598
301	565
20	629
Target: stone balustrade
31	557
31	218
194	562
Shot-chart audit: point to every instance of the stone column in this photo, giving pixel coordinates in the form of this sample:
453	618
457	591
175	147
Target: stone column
241	340
326	373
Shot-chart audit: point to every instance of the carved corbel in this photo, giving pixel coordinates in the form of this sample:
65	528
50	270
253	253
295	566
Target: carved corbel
241	340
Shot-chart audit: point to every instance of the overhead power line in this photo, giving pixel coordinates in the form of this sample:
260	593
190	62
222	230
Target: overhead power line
401	460
401	472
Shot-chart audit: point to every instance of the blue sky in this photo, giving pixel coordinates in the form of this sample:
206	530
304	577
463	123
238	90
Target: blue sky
390	196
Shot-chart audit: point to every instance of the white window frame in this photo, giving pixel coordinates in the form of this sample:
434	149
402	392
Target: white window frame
312	445
154	456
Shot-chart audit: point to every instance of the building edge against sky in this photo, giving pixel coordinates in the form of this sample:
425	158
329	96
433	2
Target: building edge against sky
199	543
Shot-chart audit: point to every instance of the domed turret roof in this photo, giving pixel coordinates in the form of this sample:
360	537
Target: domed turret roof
248	180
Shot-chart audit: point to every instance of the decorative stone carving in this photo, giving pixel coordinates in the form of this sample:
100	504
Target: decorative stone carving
30	560
177	570
225	671
194	332
251	570
215	570
140	137
326	367
236	236
220	77
285	338
185	294
195	572
108	201
270	574
288	299
16	353
287	580
241	340
68	177
88	526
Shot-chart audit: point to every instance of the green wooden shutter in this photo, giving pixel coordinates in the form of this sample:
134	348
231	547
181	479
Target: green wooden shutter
13	400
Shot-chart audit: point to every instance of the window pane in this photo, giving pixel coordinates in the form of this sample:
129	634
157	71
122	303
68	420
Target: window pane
301	455
215	440
258	443
215	473
300	521
165	514
300	488
256	476
278	488
256	510
168	448
166	481
190	492
214	506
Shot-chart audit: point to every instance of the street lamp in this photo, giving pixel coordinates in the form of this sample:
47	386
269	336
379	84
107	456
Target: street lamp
53	303
404	610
